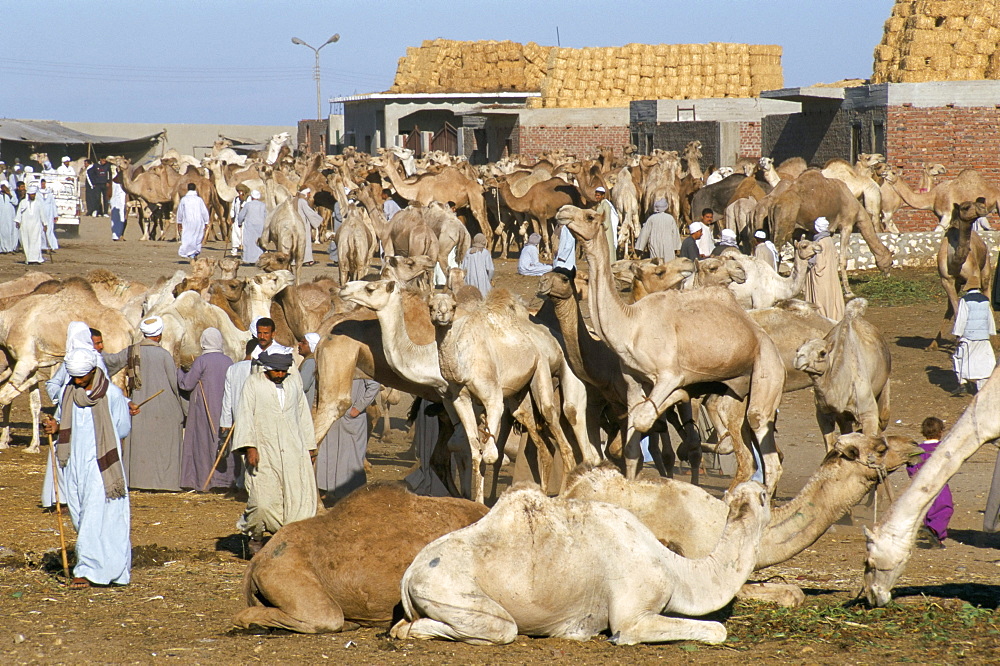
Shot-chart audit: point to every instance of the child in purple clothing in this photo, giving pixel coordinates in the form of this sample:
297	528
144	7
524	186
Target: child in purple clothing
935	528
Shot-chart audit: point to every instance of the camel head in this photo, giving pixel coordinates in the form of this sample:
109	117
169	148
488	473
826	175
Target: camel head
584	224
555	284
879	454
203	267
442	307
890	174
813	357
229	266
935	169
806	249
274	261
720	271
372	295
267	285
406	269
766	163
749	501
968	211
693	150
658	275
231	290
871	159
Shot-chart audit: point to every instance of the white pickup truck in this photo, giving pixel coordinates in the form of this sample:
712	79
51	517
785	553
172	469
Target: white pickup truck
67	193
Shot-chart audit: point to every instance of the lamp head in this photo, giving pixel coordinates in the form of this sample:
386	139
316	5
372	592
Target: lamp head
333	39
296	40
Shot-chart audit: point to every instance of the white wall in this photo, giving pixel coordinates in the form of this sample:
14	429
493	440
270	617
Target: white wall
194	140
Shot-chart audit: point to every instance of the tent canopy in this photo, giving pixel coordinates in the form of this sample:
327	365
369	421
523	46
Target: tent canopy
51	132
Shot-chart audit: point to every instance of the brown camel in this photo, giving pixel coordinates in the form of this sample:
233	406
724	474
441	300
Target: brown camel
891	201
941	200
963	260
813	195
541	203
346	563
155	188
652	336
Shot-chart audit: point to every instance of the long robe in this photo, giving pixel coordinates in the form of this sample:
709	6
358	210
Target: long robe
310	220
529	264
118	214
659	237
282	488
340	465
307	371
31	218
152	455
478	267
823	282
8	232
942	508
766	252
235	229
566	252
424	480
974	359
48	197
103	546
205	380
252	216
192	215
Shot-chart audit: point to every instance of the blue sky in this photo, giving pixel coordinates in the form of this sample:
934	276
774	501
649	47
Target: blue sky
220	61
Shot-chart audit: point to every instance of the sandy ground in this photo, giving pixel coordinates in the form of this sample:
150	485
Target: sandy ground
186	583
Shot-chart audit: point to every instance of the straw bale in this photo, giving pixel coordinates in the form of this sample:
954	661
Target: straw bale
920	22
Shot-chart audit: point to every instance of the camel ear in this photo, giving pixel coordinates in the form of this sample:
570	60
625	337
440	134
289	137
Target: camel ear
847	451
736	271
955	210
390	286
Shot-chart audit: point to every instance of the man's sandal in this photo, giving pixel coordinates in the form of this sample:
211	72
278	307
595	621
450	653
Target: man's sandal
79	584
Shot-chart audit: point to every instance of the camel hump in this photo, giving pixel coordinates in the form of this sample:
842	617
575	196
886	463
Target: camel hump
797	306
102	276
855	308
501	302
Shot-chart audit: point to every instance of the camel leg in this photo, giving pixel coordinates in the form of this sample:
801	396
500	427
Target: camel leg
303	606
459	611
542	394
951	291
524	413
690	447
467	416
5	431
845	239
652	627
574	394
732	412
662	453
35	401
766	387
828	427
883	407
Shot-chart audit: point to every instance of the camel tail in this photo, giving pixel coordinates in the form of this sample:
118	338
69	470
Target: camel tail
855	308
251	591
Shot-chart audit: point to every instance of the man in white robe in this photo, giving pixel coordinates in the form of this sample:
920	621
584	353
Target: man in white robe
765	250
93	417
529	263
48	197
65	169
251	220
30	221
274	428
236	227
310	220
611	217
8	230
974	359
192	219
389	205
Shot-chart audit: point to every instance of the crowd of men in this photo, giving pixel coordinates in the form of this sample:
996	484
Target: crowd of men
218	425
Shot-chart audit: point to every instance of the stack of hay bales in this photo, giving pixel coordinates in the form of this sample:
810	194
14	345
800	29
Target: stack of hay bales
939	40
615	76
444	66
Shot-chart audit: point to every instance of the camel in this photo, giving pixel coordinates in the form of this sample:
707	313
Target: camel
186	318
200	277
941	200
625	199
484	584
244	300
652	275
653	335
813	195
593	361
859	181
344	566
300	309
355	242
286	231
850	371
661	182
762	287
719	195
963	260
229	267
692	181
495	356
22	286
154	187
274	261
410	232
891	201
541	203
449	185
854	466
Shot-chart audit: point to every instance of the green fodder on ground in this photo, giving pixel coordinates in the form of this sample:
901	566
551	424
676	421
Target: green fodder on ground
901	287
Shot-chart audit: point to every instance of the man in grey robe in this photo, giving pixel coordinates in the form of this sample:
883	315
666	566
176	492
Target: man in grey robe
310	220
8	230
274	430
340	464
478	266
307	369
659	236
251	218
152	452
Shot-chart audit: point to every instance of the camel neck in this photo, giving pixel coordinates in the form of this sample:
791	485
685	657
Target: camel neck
606	307
920	201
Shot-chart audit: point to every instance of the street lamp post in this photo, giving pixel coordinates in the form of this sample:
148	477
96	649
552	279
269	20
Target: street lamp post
316	50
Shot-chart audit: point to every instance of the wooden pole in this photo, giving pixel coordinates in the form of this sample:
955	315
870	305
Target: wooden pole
211	424
218	458
55	483
150	397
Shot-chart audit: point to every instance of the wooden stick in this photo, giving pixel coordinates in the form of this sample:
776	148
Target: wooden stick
55	483
204	399
218	458
150	397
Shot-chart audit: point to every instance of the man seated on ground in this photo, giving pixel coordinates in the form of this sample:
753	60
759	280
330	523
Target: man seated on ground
529	263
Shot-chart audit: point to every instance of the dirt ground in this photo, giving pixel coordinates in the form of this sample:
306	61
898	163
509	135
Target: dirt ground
188	569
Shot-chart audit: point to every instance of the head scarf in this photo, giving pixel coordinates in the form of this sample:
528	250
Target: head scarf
305	191
275	361
479	243
211	341
821	224
29	169
313	340
660	206
534	239
81	361
78	336
65	158
32	190
695	227
151	327
254	194
728	235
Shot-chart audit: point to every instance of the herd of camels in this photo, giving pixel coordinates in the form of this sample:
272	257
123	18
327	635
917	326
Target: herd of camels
714	343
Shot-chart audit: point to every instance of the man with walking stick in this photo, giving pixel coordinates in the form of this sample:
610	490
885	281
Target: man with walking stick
92	418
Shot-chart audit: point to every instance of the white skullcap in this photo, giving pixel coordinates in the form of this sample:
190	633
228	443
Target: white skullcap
759	234
305	190
65	158
151	327
729	233
821	224
80	361
29	169
347	191
32	189
253	326
695	227
255	194
313	340
600	188
17	167
2	163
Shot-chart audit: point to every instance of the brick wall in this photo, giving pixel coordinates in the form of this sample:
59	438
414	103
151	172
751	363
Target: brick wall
959	138
750	139
579	141
816	136
675	136
313	133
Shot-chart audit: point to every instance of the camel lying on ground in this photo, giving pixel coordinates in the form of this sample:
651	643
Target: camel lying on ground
694	525
571	569
346	563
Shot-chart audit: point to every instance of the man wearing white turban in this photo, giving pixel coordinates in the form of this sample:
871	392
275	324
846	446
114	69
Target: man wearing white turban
310	220
235	228
30	221
689	248
251	220
8	230
48	198
274	429
152	453
91	419
822	279
206	381
65	169
765	250
611	218
192	220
